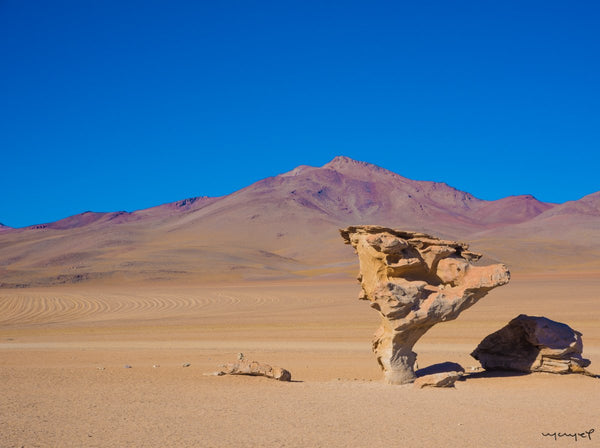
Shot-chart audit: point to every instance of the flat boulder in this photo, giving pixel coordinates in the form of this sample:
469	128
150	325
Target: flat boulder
533	344
442	379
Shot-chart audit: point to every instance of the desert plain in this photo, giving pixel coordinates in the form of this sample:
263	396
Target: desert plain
107	334
63	380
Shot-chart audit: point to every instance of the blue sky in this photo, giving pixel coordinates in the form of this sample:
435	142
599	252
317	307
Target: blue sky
121	105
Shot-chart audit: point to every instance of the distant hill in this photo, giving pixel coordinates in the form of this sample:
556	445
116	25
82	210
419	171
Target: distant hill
286	227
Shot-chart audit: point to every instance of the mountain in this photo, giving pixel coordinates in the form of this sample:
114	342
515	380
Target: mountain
510	210
286	227
566	235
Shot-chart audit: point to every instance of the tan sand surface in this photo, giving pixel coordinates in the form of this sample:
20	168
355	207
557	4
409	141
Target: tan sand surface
63	381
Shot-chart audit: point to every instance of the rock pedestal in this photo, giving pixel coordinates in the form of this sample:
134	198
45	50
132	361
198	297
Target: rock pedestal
414	281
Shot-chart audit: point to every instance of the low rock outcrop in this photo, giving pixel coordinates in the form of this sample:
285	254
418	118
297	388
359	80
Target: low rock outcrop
253	368
533	344
415	281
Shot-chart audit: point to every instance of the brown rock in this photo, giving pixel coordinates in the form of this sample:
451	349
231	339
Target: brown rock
415	280
533	344
444	379
253	368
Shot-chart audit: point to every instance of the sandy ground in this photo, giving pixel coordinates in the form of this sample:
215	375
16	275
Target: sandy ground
63	381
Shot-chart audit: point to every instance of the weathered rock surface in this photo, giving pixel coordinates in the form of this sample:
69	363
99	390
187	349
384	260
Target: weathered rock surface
533	344
253	368
443	379
415	280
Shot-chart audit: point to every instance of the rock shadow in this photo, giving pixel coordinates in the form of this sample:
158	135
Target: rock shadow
493	374
443	367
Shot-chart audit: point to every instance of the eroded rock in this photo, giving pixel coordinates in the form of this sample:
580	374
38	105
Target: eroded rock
253	368
533	344
415	280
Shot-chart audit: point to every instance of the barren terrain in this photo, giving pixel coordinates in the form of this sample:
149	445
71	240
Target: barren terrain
63	381
286	228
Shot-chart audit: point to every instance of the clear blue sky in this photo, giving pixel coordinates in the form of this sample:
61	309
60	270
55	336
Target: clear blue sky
121	105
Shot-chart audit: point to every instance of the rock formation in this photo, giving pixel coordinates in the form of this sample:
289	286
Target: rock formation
415	280
253	368
533	344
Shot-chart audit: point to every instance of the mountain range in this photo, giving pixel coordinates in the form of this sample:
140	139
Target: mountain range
286	227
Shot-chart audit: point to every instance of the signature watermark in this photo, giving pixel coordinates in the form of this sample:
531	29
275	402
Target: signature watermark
570	435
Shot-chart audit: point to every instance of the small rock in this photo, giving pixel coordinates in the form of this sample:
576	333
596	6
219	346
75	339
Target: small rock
444	379
218	373
240	356
156	366
186	364
127	366
99	368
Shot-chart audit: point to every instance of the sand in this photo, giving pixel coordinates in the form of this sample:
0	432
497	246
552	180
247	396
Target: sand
63	381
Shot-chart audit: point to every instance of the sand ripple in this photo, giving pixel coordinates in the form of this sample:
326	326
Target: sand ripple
54	305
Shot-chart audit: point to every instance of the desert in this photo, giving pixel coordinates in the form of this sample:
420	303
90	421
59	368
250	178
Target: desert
299	224
103	346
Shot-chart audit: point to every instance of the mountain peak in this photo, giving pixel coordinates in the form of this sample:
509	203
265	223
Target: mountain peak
364	170
343	162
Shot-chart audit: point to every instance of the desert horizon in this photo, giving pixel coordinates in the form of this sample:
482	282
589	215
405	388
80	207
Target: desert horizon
287	227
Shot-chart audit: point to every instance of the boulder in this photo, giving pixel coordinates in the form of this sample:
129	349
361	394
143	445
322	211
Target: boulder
414	281
533	344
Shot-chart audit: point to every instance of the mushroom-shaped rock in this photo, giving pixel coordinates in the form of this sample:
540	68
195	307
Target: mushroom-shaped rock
415	280
533	344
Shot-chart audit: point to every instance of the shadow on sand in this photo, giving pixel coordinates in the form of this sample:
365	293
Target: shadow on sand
449	366
442	367
492	374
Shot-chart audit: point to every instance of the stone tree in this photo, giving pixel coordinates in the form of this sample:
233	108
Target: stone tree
415	281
